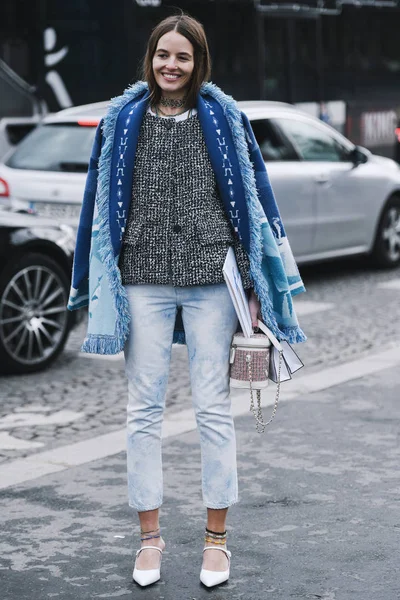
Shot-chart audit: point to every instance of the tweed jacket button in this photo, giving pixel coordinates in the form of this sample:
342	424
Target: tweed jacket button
177	228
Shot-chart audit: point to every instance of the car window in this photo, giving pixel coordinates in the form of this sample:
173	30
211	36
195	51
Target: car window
311	142
272	146
55	147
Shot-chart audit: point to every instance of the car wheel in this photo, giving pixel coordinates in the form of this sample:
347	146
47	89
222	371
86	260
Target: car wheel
34	321
386	252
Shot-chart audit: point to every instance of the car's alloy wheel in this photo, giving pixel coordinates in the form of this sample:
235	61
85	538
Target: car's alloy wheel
34	322
387	245
391	234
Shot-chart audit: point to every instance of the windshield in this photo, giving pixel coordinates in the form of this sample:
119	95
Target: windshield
55	147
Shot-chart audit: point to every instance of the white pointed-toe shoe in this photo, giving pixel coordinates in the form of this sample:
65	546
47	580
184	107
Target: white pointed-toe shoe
211	578
146	576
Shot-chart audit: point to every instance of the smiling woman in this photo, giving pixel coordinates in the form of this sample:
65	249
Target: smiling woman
176	179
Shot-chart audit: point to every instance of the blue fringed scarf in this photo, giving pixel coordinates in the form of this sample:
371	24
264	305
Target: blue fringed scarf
246	193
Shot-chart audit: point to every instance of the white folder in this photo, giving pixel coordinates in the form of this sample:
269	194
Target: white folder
238	295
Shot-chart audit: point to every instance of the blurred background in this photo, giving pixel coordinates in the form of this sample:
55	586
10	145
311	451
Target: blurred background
339	59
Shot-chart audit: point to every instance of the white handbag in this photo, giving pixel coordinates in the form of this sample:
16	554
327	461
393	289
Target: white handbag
250	365
256	359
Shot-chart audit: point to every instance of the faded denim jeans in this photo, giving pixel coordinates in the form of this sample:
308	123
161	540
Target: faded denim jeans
210	321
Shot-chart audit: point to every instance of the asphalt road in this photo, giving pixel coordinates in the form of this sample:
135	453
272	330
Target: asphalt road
318	514
319	492
349	310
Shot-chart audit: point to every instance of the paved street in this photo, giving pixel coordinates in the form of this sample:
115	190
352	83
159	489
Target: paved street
319	509
349	310
318	516
319	506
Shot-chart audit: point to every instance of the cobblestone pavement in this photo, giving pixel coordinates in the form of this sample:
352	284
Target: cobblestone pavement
353	310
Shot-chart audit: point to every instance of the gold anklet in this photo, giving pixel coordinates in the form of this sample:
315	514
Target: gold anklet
214	541
212	537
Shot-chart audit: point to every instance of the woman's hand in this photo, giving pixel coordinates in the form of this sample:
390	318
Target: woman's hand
255	308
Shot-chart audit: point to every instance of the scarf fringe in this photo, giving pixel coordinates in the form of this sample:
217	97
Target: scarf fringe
261	287
101	344
98	344
294	335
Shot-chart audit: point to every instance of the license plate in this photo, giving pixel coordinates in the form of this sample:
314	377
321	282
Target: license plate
57	211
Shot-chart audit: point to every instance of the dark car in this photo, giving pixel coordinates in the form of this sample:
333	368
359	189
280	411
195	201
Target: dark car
35	266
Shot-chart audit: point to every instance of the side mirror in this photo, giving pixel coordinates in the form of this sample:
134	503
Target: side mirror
359	156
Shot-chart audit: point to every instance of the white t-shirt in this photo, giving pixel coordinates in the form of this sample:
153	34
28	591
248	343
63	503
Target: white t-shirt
180	117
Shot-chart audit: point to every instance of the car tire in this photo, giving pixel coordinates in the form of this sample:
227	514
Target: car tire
386	250
34	321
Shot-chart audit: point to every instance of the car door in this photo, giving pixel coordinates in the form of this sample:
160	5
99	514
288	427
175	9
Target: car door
342	192
293	186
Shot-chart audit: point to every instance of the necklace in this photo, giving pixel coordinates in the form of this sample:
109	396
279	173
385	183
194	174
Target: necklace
173	102
166	115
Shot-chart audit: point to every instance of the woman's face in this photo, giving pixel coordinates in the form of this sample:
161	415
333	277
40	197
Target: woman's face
173	64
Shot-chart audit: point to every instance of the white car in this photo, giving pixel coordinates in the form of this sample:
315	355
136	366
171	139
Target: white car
336	199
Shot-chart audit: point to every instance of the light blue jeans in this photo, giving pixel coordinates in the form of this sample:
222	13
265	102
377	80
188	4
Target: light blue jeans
210	321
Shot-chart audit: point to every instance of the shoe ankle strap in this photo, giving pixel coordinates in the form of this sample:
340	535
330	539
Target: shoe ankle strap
148	547
224	550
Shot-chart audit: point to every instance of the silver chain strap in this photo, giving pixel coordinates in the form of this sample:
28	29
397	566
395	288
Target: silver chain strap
257	412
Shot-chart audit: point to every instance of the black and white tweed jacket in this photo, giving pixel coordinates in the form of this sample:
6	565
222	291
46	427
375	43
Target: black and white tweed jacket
177	231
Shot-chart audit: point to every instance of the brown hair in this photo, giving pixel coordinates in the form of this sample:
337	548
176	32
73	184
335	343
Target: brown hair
193	31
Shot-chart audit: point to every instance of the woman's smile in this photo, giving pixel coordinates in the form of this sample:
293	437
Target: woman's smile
171	76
